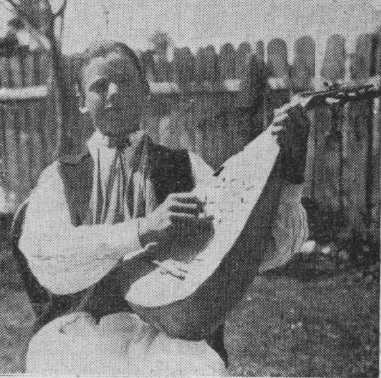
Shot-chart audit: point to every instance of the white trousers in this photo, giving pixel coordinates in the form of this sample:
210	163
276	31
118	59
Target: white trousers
120	344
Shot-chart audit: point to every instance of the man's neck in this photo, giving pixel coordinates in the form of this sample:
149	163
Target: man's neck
100	139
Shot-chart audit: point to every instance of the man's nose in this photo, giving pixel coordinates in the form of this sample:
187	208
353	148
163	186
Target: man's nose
112	91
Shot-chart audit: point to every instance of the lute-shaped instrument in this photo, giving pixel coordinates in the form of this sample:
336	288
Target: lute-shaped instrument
188	293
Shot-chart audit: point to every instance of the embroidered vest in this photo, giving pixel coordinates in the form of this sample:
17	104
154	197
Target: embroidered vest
169	171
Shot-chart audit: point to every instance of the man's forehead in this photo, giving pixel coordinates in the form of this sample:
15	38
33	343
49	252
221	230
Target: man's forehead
111	64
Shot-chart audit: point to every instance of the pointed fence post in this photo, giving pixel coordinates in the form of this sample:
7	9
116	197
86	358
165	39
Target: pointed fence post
211	66
226	62
357	142
302	74
184	67
251	97
277	67
260	51
328	165
242	55
375	171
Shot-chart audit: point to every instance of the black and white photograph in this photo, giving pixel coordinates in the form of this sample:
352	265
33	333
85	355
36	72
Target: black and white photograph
190	188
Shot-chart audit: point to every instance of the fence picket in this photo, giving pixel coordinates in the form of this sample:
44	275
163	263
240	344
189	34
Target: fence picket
252	94
184	67
34	147
211	65
260	51
328	173
3	151
302	72
375	173
242	56
303	68
16	70
226	62
199	126
12	150
148	64
277	58
356	141
277	67
5	77
162	69
334	59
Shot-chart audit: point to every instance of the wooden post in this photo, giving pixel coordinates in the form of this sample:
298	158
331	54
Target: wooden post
199	135
226	62
36	160
184	67
277	58
3	152
251	97
5	77
357	142
242	56
260	51
16	68
302	72
200	66
47	108
148	64
5	180
187	137
211	66
20	132
328	166
44	66
162	71
334	59
277	67
303	69
375	171
12	151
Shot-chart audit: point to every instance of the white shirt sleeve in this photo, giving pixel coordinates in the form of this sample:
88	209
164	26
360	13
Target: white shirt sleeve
64	258
289	230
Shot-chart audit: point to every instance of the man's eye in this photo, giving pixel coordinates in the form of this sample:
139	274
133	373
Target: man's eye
124	81
99	86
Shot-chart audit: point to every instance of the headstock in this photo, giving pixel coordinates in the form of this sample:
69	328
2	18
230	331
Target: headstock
340	92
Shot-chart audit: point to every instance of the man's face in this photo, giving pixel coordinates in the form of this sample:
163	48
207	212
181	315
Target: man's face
114	94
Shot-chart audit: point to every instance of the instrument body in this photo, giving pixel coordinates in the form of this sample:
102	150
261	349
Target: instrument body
188	294
218	264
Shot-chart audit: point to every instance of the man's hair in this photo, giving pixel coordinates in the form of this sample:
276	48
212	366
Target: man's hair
104	47
15	23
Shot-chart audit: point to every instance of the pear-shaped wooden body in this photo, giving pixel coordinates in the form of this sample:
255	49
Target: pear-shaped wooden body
209	272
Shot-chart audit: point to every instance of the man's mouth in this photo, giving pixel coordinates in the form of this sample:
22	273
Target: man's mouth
113	109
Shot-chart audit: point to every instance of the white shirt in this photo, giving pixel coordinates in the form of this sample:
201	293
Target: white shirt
67	259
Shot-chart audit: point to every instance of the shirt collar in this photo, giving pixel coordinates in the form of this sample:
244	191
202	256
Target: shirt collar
99	141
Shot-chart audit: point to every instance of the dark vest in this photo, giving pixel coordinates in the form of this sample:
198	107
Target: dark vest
170	172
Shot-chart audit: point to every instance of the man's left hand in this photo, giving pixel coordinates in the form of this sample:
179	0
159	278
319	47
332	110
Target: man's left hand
291	128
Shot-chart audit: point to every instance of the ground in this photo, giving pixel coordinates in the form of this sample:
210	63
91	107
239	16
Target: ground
289	323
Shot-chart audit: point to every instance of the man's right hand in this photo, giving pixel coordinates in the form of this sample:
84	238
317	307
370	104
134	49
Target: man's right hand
177	216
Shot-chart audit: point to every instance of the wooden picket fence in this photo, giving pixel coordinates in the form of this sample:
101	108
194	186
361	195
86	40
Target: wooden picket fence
213	104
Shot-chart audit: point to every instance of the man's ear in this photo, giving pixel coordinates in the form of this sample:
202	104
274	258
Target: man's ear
81	99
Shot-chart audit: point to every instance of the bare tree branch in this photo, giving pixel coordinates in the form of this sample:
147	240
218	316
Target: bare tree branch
23	15
32	28
61	10
59	90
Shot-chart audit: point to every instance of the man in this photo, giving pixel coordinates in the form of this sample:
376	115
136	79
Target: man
88	216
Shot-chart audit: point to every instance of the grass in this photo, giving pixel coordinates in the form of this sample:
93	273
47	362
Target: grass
324	327
286	325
